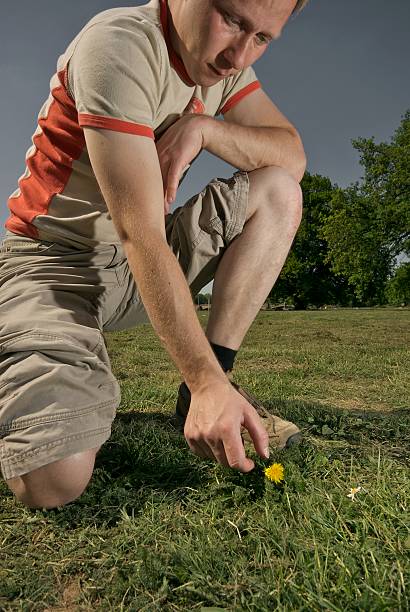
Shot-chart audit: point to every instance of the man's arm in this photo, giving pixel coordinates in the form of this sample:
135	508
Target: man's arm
255	134
249	148
129	175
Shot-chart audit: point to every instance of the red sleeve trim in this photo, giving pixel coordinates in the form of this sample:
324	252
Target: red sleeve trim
239	95
117	125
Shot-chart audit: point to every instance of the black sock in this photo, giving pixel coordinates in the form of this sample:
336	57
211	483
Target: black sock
225	356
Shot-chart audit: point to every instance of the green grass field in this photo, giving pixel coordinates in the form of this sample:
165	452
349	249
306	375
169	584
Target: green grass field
160	529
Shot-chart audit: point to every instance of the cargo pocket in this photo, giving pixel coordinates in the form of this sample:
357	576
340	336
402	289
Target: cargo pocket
25	246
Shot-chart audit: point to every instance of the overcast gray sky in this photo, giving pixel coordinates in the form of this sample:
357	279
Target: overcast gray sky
339	71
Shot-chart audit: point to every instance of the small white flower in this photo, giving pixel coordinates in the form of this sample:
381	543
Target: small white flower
353	492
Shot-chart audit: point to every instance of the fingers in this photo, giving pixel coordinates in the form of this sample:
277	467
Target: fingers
168	197
167	206
170	180
235	453
171	176
228	451
177	147
257	432
200	448
214	423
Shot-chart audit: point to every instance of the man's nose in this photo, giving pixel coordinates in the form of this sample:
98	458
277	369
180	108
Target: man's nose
238	53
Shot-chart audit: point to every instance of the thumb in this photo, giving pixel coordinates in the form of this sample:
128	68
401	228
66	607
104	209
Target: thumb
166	205
174	173
257	432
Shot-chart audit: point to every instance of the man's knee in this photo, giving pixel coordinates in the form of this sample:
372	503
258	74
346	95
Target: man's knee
276	191
57	483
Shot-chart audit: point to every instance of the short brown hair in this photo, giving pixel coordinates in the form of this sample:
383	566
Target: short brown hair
300	4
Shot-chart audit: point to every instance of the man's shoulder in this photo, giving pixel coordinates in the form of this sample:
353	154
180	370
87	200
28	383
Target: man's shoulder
119	32
143	19
147	14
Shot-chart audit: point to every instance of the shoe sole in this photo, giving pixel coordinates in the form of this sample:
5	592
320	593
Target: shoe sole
294	440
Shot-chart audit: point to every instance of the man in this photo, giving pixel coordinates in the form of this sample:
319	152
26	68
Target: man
88	247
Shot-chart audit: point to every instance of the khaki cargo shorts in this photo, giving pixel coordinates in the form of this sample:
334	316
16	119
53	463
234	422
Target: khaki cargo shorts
58	395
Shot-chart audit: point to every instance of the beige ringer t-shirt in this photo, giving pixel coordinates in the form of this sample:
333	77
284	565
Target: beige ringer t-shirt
119	73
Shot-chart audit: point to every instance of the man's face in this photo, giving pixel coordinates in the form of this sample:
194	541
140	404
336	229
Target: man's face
218	38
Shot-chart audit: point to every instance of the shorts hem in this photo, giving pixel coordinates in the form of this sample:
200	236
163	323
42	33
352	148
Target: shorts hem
26	461
22	423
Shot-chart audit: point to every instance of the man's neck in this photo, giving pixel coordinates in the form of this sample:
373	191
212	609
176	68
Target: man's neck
175	40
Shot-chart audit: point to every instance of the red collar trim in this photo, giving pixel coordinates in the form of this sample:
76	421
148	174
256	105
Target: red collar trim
175	59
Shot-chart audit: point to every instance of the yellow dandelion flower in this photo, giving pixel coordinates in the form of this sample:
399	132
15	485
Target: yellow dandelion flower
275	473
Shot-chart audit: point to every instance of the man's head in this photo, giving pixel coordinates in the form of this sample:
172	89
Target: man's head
218	38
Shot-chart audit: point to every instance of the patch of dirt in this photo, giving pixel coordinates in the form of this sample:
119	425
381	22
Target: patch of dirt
354	404
322	334
69	597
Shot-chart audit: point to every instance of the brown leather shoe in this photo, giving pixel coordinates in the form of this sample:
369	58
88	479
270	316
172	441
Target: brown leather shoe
282	434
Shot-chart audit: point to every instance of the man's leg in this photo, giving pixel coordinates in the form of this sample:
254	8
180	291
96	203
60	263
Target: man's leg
238	232
55	484
252	262
58	395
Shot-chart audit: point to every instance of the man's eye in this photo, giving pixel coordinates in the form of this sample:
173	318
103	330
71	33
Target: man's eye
230	20
262	40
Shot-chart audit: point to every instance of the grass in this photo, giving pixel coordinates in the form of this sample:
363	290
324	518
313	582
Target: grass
160	529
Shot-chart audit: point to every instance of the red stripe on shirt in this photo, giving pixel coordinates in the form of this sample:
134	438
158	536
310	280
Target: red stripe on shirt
60	142
239	96
117	125
175	59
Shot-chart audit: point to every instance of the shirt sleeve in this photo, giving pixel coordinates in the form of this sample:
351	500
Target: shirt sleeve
236	88
114	77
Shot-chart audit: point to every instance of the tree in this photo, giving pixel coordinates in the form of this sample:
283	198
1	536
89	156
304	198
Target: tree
398	287
355	245
369	223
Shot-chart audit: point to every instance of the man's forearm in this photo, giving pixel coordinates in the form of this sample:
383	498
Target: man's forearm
249	148
170	308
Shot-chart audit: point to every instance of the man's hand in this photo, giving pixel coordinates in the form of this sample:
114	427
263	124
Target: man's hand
213	426
176	148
